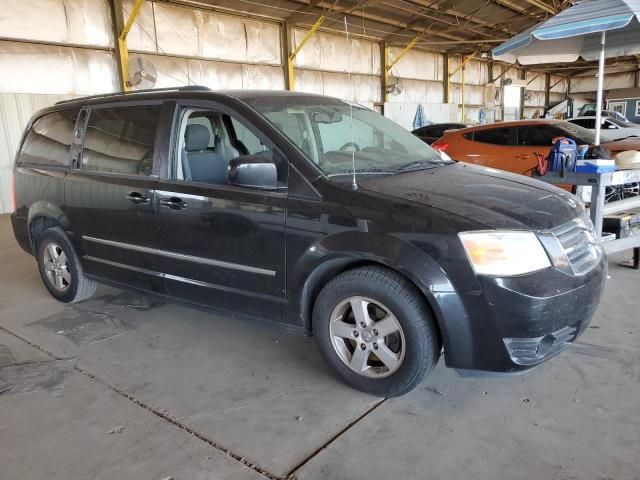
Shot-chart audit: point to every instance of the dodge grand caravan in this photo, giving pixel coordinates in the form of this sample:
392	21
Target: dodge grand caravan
308	211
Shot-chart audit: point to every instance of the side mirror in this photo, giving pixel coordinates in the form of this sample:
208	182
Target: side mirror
253	171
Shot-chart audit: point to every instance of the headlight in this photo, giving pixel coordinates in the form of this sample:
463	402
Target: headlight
504	253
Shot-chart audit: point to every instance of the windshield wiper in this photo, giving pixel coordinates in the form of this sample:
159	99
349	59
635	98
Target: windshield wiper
372	171
423	164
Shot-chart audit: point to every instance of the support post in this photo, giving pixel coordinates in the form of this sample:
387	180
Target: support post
600	88
462	92
294	53
384	57
547	91
460	67
122	30
117	21
285	48
447	81
523	76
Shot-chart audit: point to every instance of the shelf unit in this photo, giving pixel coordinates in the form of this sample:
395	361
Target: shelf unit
598	183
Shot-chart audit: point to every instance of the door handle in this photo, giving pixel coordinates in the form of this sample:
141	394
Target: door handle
137	198
524	157
174	203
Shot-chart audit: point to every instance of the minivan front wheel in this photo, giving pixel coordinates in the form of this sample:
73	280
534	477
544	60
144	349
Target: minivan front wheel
375	330
60	268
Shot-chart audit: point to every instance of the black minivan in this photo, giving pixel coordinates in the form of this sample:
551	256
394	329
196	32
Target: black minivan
312	212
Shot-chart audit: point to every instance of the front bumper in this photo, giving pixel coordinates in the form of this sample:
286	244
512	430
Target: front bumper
515	323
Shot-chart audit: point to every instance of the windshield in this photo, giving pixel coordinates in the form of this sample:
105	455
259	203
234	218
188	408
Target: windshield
322	128
582	136
622	123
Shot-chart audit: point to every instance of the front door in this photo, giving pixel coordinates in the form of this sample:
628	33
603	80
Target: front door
531	140
222	245
110	194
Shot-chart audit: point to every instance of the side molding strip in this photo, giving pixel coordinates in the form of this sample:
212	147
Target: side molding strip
182	256
192	281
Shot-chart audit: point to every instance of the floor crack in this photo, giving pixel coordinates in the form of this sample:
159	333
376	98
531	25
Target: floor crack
239	458
291	474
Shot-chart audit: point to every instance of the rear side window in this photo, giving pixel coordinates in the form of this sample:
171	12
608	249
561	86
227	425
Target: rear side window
496	136
49	139
538	135
121	139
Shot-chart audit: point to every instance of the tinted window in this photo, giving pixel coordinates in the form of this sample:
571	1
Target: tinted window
120	140
535	135
496	136
48	141
585	122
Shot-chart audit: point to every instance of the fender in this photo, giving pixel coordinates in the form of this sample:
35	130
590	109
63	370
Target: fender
335	253
43	214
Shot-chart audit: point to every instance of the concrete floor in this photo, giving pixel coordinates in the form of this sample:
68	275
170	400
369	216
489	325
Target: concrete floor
105	390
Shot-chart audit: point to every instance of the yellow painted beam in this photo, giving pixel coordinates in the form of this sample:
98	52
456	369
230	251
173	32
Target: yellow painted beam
403	52
464	62
295	52
462	66
122	44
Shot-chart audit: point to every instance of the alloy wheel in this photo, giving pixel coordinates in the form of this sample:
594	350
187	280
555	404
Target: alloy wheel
613	193
367	337
56	266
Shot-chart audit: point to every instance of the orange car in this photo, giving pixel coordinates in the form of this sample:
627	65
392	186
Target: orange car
512	146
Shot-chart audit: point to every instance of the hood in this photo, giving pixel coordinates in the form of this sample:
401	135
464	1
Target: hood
496	199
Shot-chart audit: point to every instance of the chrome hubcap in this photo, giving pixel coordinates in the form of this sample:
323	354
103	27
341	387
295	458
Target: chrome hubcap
367	337
56	266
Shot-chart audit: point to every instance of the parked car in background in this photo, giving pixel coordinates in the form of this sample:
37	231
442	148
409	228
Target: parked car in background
512	145
589	110
320	215
431	133
612	127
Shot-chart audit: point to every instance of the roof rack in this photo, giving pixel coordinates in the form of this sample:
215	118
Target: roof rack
186	88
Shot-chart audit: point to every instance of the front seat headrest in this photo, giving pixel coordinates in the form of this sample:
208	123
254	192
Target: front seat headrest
196	137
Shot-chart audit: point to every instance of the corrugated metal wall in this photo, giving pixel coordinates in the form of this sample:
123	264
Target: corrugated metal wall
323	64
55	48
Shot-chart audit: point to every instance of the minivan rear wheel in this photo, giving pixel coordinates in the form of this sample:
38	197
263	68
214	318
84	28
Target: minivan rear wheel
374	328
60	267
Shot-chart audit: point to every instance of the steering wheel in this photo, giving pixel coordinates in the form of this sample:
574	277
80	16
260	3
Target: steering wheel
350	144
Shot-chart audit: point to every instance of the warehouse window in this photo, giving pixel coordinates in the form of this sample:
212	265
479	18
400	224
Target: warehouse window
49	139
120	140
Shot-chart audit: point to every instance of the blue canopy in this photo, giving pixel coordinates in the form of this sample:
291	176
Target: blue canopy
575	32
592	30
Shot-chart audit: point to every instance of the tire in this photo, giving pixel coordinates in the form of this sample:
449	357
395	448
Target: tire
60	268
409	332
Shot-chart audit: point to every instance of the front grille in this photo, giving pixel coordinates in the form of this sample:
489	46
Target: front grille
578	240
